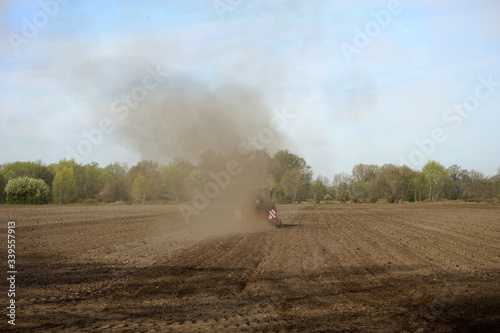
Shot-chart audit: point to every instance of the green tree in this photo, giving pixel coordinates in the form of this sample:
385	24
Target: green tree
106	194
30	169
359	190
3	182
150	171
283	161
174	178
418	189
364	172
478	185
35	170
340	185
26	190
111	181
362	186
456	186
116	175
389	182
290	182
495	185
343	194
296	183
305	185
64	187
139	189
279	194
319	189
436	177
87	181
406	176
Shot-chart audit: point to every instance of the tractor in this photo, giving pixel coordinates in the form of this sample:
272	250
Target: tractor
258	203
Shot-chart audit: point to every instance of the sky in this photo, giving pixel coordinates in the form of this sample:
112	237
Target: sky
336	82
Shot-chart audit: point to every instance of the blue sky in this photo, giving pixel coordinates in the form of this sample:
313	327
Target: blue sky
377	105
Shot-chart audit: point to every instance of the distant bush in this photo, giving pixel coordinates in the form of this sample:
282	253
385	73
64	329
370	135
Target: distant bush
327	197
26	190
90	201
343	195
355	199
283	199
118	203
64	186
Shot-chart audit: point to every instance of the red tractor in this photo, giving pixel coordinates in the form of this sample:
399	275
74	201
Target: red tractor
258	203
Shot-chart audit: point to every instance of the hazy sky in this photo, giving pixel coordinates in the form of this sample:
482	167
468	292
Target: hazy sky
366	81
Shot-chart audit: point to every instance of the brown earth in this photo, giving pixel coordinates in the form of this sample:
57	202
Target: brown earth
336	268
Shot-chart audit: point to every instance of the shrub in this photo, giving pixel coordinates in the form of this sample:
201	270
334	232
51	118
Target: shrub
26	190
90	201
327	197
139	189
119	202
283	199
343	195
279	194
64	187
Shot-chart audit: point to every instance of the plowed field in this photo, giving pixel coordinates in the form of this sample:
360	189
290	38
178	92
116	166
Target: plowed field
337	268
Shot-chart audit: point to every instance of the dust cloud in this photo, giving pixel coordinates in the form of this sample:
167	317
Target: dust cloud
230	196
183	118
248	194
225	129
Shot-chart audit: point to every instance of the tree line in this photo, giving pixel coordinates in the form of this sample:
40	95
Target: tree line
391	183
287	173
